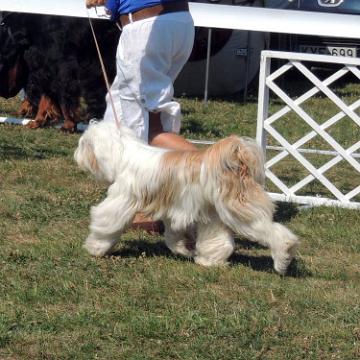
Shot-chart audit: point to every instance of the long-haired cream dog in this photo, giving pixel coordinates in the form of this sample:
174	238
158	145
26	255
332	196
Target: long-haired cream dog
219	191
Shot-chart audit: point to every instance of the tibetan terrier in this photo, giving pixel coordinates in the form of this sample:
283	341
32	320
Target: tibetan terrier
218	191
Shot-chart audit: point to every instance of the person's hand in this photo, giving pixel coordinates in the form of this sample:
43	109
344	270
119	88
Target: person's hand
93	3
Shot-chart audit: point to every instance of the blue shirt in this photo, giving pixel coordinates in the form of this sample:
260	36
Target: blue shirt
119	7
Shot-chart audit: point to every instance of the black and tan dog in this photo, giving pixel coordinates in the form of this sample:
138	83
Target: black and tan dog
54	60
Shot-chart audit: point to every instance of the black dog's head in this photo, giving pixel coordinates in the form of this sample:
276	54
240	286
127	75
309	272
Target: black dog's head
14	40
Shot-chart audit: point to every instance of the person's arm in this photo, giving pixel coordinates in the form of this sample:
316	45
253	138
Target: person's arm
111	6
93	3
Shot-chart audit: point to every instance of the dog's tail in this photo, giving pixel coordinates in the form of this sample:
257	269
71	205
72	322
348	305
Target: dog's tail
237	156
234	175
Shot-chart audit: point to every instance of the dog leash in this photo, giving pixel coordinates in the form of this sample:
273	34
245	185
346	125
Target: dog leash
106	79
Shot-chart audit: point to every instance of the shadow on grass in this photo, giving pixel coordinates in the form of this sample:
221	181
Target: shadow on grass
296	269
247	244
137	248
285	212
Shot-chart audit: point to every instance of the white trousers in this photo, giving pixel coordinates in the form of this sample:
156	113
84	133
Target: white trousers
150	55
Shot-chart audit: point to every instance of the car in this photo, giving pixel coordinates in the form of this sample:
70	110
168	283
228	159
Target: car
314	44
234	58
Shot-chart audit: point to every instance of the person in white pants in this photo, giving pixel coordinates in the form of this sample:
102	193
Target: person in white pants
156	41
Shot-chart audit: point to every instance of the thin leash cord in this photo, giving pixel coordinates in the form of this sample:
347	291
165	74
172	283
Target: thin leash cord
106	79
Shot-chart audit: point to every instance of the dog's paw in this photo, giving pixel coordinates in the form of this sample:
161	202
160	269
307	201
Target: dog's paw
97	247
283	256
203	261
182	248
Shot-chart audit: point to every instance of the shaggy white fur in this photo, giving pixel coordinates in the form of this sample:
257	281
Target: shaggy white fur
219	191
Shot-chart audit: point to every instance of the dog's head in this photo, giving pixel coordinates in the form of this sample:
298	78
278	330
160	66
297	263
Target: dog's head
99	150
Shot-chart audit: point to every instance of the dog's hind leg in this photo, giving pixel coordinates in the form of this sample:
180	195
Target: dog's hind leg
108	220
179	242
214	244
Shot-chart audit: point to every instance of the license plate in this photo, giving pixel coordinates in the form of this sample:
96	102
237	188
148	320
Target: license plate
329	50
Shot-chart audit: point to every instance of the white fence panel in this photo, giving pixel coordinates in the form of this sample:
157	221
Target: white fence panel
320	131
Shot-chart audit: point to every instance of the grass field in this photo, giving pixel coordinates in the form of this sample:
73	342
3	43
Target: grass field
56	302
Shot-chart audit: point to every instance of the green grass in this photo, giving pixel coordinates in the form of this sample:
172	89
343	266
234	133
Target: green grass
56	302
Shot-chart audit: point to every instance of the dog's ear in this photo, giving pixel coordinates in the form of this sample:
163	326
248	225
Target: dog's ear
91	159
85	157
99	151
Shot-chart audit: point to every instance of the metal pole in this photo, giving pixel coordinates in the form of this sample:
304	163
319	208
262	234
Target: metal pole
263	101
247	62
207	66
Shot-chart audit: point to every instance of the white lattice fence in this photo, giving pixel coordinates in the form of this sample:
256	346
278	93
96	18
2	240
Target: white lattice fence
324	175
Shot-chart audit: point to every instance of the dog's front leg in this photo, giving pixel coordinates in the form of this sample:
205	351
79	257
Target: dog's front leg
108	220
